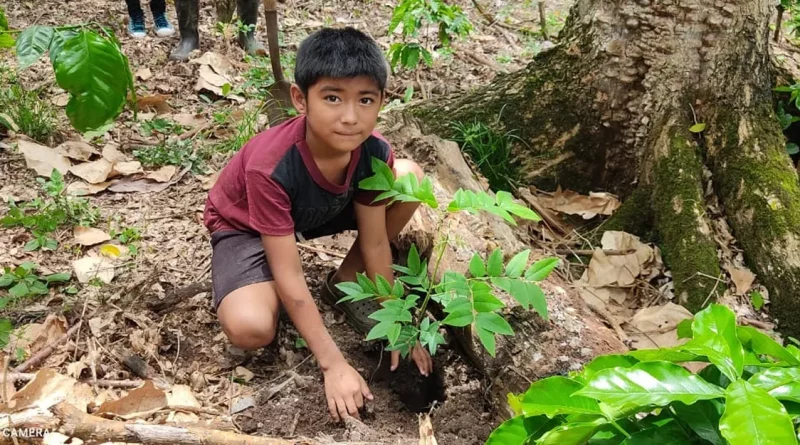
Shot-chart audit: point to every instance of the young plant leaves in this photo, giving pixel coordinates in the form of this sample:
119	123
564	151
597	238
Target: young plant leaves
32	43
541	269
715	337
703	418
556	395
383	178
571	433
646	384
94	72
665	434
753	417
517	264
608	361
763	344
518	430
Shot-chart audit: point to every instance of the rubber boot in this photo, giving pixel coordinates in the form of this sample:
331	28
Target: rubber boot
248	13
188	14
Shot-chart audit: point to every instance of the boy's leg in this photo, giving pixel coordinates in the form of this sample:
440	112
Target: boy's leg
249	315
397	216
245	299
136	26
159	10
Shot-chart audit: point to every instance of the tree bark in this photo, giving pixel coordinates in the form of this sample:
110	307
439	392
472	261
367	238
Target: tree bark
611	106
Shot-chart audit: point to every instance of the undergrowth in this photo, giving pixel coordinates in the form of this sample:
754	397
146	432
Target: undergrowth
23	111
491	152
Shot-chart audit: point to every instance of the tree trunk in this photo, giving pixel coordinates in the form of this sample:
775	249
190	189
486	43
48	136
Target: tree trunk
610	108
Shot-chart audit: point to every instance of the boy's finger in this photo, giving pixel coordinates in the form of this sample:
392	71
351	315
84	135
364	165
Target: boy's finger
395	359
342	407
419	360
351	407
359	399
332	409
365	390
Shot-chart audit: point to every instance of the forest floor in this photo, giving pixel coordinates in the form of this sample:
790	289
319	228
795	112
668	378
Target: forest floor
276	391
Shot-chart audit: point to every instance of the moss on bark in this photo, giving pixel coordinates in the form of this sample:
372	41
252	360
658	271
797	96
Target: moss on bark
681	223
759	188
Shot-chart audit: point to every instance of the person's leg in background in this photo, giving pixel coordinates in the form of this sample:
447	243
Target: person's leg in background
136	26
159	10
188	15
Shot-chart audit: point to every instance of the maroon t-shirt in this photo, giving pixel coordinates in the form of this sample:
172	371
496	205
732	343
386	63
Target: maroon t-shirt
273	186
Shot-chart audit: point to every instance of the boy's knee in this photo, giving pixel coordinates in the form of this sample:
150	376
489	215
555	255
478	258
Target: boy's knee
403	167
249	336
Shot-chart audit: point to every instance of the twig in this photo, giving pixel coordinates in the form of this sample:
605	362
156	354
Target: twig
543	20
122	384
47	350
321	250
757	323
192	409
491	20
712	291
294	424
609	252
192	133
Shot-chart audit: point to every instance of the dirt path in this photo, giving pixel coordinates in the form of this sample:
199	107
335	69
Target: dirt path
184	344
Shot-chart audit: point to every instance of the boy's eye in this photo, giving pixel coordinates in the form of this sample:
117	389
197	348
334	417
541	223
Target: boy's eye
332	98
367	100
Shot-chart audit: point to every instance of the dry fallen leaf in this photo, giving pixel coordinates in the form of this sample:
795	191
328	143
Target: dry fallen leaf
142	400
219	63
426	436
80	188
91	267
130	185
89	236
208	181
742	277
189	120
47	389
243	373
182	395
43	159
110	251
93	172
126	168
656	326
144	74
163	174
60	100
112	154
75	369
35	336
78	150
588	207
156	102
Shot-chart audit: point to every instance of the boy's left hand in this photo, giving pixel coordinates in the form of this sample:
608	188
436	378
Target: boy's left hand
421	357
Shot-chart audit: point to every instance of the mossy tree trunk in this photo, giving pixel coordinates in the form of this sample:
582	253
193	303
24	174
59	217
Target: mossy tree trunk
611	106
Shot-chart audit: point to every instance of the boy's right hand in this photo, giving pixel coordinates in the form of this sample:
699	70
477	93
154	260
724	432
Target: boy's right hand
345	390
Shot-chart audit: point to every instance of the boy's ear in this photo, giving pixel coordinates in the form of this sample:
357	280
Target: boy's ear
298	99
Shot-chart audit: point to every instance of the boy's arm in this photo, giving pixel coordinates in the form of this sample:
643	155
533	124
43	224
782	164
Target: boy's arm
345	389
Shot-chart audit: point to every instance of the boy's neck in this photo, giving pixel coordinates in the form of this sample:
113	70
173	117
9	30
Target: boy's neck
321	151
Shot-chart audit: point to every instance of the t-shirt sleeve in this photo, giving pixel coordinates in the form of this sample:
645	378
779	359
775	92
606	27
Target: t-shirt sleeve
384	152
268	205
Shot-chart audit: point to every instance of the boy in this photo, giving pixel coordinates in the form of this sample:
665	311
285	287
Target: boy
299	180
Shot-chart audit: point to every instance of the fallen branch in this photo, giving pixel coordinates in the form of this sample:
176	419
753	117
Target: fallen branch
178	295
87	427
122	384
544	212
591	252
47	350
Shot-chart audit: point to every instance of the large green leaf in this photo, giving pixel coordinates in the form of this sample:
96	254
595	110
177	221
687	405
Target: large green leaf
648	384
577	433
93	71
781	383
753	417
763	344
668	434
555	395
517	430
703	418
715	337
59	37
608	361
32	43
664	354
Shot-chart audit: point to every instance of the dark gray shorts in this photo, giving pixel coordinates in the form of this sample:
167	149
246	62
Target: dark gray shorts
238	257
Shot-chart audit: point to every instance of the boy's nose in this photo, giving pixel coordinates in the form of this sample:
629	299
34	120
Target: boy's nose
349	115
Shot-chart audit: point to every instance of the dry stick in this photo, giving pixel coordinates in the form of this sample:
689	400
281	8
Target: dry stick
321	250
122	384
543	20
712	291
590	252
47	350
757	323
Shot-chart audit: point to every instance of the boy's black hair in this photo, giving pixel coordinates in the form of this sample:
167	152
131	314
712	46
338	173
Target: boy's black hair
339	53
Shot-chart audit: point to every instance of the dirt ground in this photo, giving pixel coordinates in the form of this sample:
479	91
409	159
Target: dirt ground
184	343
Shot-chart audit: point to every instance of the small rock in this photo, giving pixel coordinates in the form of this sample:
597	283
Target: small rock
563	358
547	45
586	352
242	404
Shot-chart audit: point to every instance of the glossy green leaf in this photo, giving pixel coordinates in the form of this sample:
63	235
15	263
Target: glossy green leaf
668	434
94	72
556	395
715	337
516	265
541	269
494	265
663	354
763	344
379	330
703	418
476	266
608	361
685	328
493	322
382	178
757	299
519	429
487	340
697	128
781	383
576	433
59	37
648	384
32	43
459	318
753	417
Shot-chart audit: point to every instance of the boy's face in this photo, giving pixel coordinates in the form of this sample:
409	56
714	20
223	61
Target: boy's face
340	113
